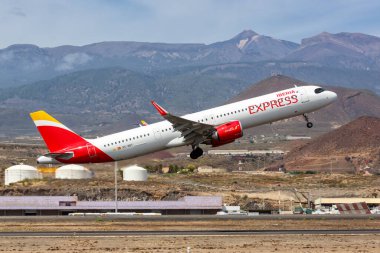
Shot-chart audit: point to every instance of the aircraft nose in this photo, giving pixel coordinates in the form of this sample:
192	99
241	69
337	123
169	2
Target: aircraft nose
333	96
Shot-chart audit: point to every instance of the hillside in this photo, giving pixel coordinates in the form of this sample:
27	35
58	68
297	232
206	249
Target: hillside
354	145
343	50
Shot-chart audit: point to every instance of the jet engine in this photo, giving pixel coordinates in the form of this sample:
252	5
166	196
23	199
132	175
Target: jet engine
226	133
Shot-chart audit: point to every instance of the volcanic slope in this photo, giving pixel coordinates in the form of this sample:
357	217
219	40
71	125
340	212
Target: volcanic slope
355	145
350	105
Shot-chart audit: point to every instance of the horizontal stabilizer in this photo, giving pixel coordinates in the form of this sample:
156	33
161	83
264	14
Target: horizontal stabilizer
64	156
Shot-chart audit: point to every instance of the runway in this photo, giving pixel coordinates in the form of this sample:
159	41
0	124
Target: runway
190	217
191	233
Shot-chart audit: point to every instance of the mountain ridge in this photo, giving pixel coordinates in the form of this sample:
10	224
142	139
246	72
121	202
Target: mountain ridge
25	64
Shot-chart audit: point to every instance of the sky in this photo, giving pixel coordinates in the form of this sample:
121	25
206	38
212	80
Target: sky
50	23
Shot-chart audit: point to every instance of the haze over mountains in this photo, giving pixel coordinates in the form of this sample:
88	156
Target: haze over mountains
116	80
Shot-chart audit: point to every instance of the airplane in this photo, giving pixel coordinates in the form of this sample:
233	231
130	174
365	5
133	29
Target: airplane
215	127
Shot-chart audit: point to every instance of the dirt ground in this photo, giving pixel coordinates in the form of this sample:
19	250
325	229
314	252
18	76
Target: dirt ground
103	224
212	244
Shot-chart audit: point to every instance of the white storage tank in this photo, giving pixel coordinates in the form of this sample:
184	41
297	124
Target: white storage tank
20	172
134	173
73	171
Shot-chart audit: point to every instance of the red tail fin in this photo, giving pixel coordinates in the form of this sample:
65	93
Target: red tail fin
56	136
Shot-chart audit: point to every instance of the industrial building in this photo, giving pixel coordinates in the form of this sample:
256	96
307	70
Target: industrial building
328	202
134	173
20	172
244	152
73	171
64	205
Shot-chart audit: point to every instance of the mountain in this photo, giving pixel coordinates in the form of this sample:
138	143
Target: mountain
354	145
249	46
23	64
343	59
102	90
341	50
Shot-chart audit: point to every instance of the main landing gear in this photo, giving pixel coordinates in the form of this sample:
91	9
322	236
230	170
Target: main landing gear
308	124
197	152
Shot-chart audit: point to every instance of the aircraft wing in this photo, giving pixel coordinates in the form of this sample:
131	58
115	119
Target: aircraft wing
193	132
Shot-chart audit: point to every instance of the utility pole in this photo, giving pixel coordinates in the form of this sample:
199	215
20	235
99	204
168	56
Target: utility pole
116	204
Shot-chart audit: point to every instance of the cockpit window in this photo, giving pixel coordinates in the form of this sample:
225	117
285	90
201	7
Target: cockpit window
319	90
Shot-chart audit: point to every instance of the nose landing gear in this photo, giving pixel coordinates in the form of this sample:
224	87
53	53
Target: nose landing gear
308	124
197	152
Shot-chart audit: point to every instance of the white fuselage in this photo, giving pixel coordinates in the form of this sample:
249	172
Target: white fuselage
251	112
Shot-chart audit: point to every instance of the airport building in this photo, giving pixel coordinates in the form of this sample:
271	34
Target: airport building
64	205
328	202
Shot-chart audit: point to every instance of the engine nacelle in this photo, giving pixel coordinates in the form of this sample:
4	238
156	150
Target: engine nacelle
227	133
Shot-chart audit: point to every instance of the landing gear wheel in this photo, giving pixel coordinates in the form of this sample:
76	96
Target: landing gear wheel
308	124
197	152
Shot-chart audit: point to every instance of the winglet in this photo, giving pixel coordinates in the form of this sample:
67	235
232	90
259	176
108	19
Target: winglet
161	110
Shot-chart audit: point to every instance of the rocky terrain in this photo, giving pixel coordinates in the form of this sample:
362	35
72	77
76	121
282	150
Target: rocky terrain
354	145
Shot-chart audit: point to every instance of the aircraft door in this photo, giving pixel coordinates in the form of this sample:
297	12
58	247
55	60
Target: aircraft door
157	133
304	96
